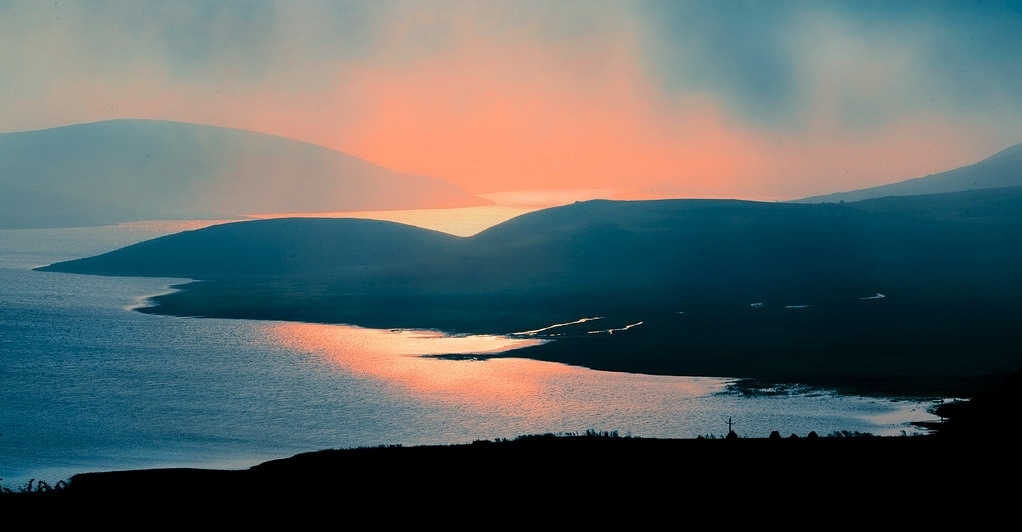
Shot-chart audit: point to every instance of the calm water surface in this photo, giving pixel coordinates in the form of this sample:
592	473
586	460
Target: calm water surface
86	384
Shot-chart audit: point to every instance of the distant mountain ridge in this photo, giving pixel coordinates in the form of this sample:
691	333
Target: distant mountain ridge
119	170
1003	169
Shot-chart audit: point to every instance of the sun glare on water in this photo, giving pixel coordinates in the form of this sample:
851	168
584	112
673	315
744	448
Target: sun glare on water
548	393
403	357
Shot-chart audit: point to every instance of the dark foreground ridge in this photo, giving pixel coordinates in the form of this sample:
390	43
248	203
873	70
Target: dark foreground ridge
537	474
972	449
525	461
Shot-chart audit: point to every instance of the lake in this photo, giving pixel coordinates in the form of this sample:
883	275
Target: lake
88	384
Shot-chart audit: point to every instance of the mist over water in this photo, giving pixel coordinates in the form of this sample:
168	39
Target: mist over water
86	384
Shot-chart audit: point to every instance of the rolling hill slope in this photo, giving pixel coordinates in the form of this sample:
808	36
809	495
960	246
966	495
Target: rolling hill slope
1003	169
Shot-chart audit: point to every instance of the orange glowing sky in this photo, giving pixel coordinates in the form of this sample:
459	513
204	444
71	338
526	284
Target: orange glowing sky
768	101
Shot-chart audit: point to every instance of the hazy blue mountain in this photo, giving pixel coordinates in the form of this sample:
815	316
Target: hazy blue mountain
910	294
22	208
1003	169
129	169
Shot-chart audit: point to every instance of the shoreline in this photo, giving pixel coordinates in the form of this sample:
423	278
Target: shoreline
972	446
721	288
649	350
962	450
546	467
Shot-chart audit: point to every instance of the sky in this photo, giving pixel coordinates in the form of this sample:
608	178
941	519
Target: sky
767	100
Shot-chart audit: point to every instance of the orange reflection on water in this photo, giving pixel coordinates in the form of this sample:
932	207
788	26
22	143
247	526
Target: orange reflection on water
396	356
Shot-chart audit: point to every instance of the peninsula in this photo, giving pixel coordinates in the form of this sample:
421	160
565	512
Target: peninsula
912	296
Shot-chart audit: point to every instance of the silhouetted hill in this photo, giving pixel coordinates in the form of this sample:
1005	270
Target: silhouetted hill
275	248
146	169
1003	169
545	476
914	295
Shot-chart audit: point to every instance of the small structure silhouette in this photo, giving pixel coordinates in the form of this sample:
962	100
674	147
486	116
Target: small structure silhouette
731	435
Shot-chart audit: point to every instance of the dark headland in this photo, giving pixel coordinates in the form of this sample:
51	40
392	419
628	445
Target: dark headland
905	296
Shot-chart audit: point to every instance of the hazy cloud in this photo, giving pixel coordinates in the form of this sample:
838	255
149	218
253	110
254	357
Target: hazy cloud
738	99
770	58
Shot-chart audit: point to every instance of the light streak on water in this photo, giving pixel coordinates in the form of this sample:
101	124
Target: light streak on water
619	329
555	326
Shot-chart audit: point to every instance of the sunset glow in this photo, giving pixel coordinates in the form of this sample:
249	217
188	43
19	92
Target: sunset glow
632	99
464	221
402	358
353	248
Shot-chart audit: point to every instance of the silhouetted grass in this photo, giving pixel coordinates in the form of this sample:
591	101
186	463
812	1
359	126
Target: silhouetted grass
35	487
